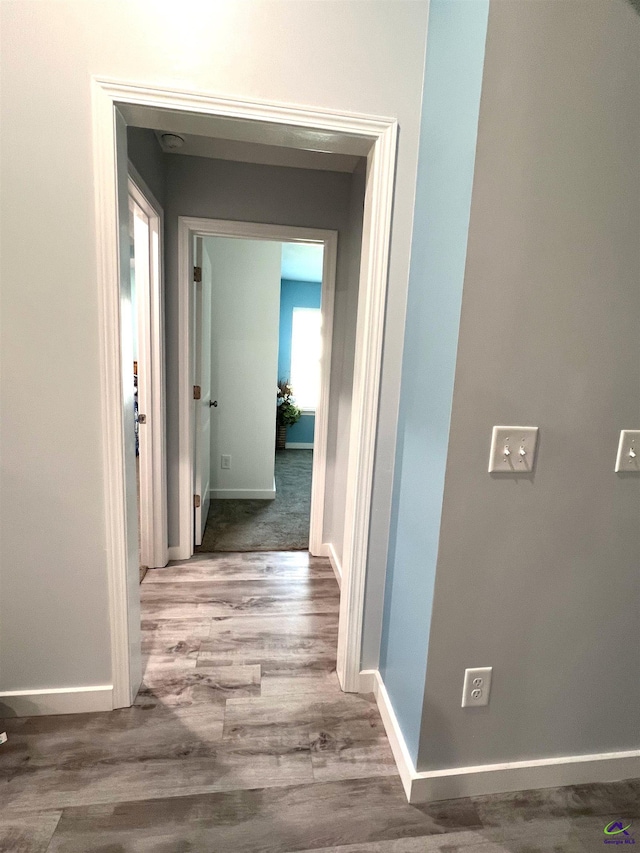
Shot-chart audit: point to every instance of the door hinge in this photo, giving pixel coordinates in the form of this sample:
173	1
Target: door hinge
197	274
196	501
197	392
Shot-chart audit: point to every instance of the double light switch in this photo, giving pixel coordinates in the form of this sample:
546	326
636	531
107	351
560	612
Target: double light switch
628	458
513	449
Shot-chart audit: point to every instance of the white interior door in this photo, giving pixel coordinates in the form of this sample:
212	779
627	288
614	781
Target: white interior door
244	340
202	381
146	297
139	227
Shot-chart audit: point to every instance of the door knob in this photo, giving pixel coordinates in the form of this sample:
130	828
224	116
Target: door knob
213	403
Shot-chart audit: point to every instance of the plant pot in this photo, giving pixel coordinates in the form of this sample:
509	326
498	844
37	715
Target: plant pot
281	437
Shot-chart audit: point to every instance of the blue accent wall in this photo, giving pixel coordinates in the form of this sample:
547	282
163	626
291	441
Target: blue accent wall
295	294
302	432
451	102
302	261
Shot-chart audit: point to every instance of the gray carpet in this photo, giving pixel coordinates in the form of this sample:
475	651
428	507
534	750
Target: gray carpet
278	525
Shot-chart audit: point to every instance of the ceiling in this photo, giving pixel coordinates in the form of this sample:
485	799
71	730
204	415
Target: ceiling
255	152
251	141
302	261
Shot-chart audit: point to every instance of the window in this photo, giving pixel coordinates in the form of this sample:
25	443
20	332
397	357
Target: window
306	350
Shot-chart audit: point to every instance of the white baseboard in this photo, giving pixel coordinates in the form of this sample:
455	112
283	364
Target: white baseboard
298	445
367	681
243	494
176	552
63	700
336	565
450	783
371	682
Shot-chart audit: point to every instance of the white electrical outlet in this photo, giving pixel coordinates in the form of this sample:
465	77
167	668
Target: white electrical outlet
513	449
628	458
225	461
476	687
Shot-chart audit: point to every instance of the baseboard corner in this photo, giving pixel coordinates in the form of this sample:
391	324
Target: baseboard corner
336	565
176	552
455	782
367	680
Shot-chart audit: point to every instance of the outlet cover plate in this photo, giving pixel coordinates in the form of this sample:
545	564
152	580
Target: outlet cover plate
476	687
516	439
629	442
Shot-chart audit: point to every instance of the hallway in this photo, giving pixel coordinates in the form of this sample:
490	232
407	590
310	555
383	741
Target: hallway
241	740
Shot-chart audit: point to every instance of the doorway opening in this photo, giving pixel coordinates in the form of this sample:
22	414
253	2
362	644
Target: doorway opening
115	105
263	316
237	340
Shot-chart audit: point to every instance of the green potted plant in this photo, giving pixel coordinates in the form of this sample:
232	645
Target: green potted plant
287	413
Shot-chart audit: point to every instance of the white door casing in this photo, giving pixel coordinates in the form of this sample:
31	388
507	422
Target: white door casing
188	227
380	135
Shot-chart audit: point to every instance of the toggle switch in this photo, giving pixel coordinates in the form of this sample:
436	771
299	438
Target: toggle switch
628	458
513	449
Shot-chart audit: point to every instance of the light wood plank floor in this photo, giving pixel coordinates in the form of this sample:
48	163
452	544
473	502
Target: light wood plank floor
241	740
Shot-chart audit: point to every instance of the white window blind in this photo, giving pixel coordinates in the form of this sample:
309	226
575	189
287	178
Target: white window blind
306	351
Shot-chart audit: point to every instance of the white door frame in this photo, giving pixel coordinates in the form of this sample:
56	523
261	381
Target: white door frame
154	539
382	133
196	327
189	227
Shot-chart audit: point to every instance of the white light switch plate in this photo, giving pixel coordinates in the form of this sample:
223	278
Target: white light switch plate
513	449
628	458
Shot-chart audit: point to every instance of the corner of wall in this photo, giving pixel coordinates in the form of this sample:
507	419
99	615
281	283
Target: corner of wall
451	101
473	781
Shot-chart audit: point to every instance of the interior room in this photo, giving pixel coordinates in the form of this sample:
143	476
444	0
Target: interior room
357	581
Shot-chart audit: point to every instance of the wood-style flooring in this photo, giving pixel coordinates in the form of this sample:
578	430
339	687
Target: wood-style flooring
241	741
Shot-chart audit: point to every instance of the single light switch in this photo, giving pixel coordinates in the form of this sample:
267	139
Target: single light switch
628	458
513	449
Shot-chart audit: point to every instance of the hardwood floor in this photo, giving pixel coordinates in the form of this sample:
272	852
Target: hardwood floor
241	740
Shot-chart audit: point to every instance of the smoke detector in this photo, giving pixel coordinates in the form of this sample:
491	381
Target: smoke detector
172	141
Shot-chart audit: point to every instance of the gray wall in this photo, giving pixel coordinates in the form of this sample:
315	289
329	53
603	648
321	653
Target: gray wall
538	576
358	57
146	155
218	189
